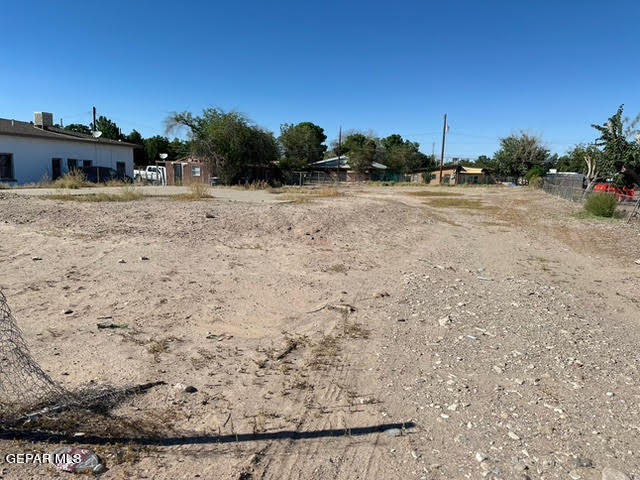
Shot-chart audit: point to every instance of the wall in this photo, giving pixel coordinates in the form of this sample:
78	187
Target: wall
32	156
187	178
445	173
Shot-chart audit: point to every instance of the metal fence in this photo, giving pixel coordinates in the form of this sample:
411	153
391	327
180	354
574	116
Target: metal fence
311	178
573	187
569	187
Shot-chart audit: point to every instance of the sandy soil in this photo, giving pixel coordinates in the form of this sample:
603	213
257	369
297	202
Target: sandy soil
501	334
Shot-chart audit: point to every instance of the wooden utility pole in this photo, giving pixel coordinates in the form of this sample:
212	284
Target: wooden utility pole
339	155
94	119
444	135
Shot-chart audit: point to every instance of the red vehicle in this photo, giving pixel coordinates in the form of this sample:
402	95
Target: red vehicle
623	194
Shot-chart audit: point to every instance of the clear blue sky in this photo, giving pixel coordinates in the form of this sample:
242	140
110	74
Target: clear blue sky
550	68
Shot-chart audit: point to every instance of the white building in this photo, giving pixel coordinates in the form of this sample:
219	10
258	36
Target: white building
31	152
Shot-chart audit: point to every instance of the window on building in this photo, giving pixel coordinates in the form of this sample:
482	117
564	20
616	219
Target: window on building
6	166
72	164
86	163
121	168
433	176
195	171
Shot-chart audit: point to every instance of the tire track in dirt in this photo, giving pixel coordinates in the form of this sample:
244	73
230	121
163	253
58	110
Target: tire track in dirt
301	458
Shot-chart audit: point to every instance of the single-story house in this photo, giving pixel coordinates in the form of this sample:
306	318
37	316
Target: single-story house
186	171
460	175
33	151
344	171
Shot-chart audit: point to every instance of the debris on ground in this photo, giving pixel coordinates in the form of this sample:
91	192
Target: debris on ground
78	460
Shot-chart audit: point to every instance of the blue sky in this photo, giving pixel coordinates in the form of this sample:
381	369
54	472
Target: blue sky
550	68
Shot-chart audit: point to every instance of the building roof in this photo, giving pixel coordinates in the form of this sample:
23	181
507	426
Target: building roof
474	170
332	163
27	129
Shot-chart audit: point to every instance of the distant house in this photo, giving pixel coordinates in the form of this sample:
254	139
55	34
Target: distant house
31	152
460	175
186	171
344	170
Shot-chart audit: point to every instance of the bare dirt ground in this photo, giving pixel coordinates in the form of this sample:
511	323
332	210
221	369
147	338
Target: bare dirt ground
498	330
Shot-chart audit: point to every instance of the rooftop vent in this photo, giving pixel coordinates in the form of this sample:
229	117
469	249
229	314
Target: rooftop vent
43	119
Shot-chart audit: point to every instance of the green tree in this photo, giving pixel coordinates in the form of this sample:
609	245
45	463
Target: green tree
485	162
178	149
108	128
404	156
134	137
574	160
302	144
139	154
518	153
362	155
154	146
78	127
354	140
228	140
620	155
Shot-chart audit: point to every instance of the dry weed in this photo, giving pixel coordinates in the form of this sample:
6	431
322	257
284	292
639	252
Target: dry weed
197	191
73	179
435	193
126	194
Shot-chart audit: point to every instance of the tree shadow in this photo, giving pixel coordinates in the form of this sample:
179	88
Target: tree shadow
49	437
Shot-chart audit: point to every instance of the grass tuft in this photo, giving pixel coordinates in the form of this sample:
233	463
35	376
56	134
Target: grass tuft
434	193
73	180
465	203
305	195
197	191
127	194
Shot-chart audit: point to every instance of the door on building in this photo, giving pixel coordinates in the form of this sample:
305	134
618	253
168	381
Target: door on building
177	174
56	168
121	168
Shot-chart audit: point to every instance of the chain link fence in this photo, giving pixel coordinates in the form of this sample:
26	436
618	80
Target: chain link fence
568	186
573	187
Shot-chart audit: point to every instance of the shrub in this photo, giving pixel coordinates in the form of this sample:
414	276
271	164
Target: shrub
535	171
601	205
535	182
73	179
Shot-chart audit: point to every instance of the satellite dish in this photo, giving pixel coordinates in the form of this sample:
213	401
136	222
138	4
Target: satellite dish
96	133
164	156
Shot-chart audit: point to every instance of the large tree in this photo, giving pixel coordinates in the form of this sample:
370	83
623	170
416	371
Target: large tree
178	149
108	128
154	146
362	155
229	140
620	150
576	159
518	153
302	144
404	156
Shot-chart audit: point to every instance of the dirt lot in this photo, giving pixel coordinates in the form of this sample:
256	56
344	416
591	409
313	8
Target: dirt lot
497	330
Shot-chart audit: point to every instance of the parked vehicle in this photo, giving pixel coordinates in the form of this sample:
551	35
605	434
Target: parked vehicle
152	173
104	174
623	194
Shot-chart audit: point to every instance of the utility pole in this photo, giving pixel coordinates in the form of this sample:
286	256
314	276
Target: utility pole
444	135
94	119
339	155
